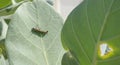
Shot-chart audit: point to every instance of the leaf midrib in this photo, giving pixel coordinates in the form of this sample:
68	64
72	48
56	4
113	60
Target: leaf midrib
43	48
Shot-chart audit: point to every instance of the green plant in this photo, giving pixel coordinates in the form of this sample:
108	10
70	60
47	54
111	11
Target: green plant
90	35
91	32
26	41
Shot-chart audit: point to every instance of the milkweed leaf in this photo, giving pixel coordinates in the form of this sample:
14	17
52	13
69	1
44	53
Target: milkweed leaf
26	48
90	26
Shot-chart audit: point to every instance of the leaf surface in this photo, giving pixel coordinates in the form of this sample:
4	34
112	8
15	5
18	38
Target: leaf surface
2	60
26	47
91	24
68	59
0	28
5	3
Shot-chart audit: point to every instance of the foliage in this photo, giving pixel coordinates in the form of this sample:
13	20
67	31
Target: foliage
4	3
91	26
24	46
0	28
90	34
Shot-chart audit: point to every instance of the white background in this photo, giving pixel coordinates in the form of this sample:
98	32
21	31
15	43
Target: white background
64	7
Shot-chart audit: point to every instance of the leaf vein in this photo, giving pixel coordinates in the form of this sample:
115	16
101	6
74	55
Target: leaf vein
79	40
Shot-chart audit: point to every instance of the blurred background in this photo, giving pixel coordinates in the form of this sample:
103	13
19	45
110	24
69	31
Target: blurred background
64	7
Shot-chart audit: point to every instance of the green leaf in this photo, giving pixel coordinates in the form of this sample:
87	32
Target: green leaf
5	3
18	0
22	0
90	27
1	28
7	20
27	48
3	49
68	59
10	9
50	2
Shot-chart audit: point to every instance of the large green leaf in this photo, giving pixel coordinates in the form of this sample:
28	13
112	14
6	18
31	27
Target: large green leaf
24	43
92	27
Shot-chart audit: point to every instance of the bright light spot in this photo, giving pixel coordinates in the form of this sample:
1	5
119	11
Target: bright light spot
70	55
105	49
